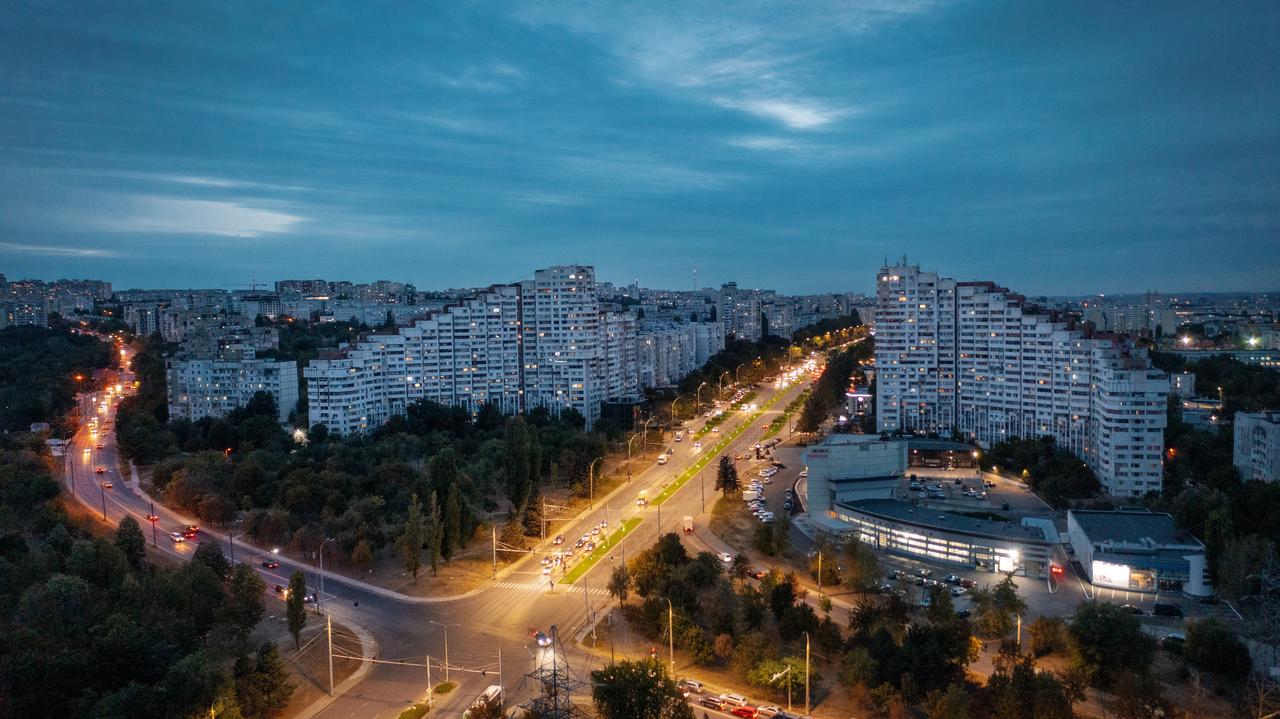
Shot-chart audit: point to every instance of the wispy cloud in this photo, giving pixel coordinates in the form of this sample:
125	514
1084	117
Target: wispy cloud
55	251
151	214
757	58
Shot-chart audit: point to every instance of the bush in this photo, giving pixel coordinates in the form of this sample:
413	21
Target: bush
1048	635
1212	646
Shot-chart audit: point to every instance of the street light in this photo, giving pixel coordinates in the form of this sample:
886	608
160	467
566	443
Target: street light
673	407
629	443
446	645
320	596
698	394
806	672
784	673
591	483
736	376
671	636
720	382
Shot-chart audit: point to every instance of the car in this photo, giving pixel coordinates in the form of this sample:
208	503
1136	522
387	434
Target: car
107	484
711	703
726	557
756	573
1131	609
894	573
662	459
578	544
924	572
270	564
176	537
697	445
733	700
280	589
595	531
690	685
586	538
769	710
951	579
153	517
604	523
193	528
100	470
558	540
97	446
988	483
189	534
546	570
1163	609
958	591
591	546
958	481
915	486
309	598
747	711
968	583
715	429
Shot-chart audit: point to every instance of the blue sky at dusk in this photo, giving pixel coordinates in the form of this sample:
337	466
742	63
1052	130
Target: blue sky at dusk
1058	148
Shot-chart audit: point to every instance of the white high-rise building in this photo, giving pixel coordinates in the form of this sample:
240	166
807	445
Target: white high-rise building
539	343
212	387
1257	446
975	359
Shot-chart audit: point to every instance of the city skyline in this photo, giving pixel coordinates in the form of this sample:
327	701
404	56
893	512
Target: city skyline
173	148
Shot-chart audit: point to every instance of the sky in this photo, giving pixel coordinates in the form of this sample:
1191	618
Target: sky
1054	147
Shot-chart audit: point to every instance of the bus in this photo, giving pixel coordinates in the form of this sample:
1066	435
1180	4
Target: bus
487	698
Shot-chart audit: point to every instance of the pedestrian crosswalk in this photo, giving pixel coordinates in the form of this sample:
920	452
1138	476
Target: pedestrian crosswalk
546	585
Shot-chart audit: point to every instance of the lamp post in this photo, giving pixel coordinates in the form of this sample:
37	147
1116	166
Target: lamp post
671	636
806	672
320	596
698	394
645	445
720	382
629	442
445	626
674	402
737	376
591	483
784	673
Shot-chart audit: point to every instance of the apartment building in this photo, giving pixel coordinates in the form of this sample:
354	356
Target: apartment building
543	342
212	387
1257	446
976	359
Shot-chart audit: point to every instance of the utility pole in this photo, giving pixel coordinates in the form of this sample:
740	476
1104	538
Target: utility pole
819	574
153	522
702	483
445	627
231	538
431	690
493	526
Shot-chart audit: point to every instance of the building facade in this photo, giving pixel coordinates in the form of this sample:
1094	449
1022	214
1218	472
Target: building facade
1138	550
544	342
1257	446
975	359
212	387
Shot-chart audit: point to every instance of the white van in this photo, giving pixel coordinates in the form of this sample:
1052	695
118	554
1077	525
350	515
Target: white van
487	697
735	700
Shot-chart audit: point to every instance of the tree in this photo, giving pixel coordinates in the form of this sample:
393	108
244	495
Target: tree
210	554
1218	531
1105	640
740	568
261	682
727	480
641	688
242	609
1212	646
763	675
451	529
1138	696
950	704
1018	691
435	533
295	606
131	542
861	564
1048	635
619	583
998	606
362	554
412	537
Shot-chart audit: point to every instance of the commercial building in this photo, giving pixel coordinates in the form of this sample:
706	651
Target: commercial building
1257	446
1182	384
975	359
1138	550
848	467
212	387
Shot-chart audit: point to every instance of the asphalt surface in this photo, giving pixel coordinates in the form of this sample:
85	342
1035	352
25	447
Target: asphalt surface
497	620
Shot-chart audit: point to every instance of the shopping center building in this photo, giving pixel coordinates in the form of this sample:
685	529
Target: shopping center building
1138	550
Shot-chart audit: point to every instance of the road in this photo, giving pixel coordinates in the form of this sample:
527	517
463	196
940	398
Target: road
497	621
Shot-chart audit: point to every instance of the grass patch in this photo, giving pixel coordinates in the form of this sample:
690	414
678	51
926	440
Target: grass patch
600	551
725	415
781	421
445	687
711	454
417	711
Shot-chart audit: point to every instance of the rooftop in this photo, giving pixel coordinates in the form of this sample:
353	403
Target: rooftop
897	510
1132	526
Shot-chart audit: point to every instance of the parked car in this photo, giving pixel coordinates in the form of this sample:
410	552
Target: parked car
691	685
270	564
735	700
747	712
711	703
951	579
968	583
726	557
1163	609
958	591
924	572
1131	609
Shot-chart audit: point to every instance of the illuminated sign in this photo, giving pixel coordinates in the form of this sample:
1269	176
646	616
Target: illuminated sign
1112	575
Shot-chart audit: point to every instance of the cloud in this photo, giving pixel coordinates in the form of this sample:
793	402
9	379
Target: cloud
755	59
53	251
802	115
149	214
